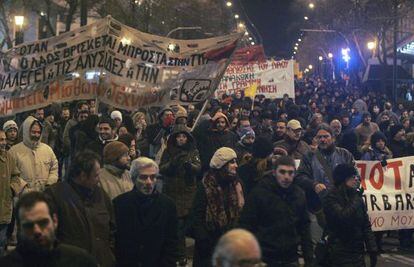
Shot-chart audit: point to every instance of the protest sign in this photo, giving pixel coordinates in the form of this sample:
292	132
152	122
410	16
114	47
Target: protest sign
152	70
274	78
389	193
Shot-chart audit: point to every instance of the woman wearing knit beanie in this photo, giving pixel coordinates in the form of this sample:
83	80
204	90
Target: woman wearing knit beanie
217	204
348	227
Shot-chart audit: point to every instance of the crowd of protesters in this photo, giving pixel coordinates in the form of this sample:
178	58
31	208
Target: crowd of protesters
96	185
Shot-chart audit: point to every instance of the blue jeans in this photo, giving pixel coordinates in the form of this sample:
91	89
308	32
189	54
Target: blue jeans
3	238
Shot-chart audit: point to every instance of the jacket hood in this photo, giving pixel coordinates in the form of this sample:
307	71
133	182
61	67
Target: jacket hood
217	116
180	128
27	124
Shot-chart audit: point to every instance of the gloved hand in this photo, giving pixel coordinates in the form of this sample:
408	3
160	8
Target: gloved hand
187	166
373	259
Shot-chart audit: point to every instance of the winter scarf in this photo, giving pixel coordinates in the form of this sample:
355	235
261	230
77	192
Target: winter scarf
216	212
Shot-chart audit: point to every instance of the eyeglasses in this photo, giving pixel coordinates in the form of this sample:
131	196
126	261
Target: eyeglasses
289	172
144	177
41	223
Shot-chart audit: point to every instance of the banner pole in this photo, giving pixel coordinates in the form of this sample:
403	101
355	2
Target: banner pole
203	109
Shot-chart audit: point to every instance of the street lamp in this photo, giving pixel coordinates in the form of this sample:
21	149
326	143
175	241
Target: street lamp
305	17
320	58
345	56
371	45
330	55
19	34
299	40
296	48
252	43
229	4
236	16
310	67
311	5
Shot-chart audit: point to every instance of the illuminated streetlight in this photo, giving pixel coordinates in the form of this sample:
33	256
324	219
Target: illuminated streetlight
306	70
296	48
320	58
311	5
296	44
305	17
299	40
19	20
252	43
294	52
330	55
241	25
229	4
310	67
250	38
246	33
371	45
236	16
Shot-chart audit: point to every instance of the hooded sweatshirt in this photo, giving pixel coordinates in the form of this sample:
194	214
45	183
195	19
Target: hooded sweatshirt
36	161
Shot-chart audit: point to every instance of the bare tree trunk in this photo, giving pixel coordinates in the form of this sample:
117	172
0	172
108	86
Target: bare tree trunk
6	28
359	50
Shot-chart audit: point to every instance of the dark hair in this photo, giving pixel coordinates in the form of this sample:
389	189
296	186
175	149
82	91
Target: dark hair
281	120
242	118
83	162
80	104
29	200
284	160
126	139
325	127
108	120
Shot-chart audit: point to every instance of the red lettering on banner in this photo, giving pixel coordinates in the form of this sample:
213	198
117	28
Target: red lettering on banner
395	165
363	168
262	66
377	221
377	184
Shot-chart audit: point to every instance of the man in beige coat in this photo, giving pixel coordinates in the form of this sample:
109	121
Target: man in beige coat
10	185
114	177
35	160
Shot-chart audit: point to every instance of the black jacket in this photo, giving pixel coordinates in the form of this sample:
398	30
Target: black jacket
85	219
212	140
348	227
147	230
61	256
278	218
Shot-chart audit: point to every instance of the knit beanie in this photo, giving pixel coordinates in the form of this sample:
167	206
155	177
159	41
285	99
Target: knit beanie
375	137
342	172
246	131
262	148
181	113
395	129
10	125
113	151
221	157
116	114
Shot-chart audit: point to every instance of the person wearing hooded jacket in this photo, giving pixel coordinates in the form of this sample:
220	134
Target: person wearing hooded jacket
180	165
348	227
216	206
35	160
217	136
258	166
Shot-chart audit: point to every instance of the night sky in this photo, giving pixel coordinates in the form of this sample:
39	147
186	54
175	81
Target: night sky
278	22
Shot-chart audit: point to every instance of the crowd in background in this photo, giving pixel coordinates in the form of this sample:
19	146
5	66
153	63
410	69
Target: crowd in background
130	187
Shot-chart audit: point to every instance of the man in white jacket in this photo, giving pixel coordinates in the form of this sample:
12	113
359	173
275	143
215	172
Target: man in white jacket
35	160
